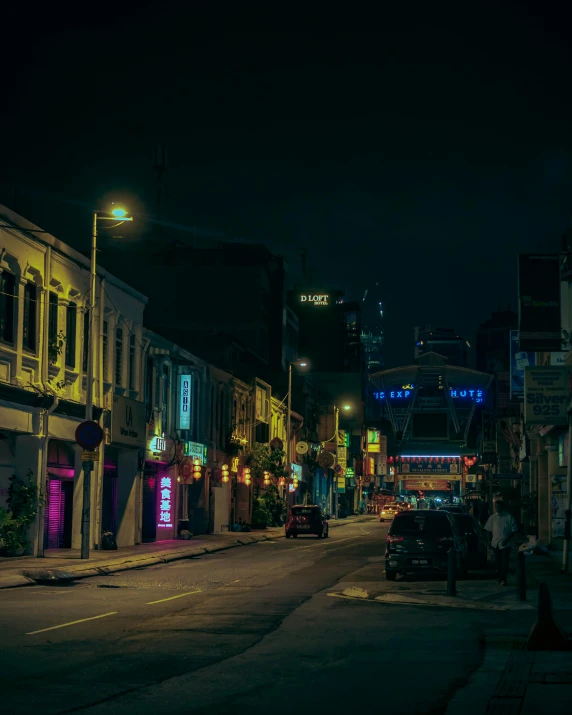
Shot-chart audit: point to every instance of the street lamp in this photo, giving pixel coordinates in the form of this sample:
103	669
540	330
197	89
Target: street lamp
300	363
119	214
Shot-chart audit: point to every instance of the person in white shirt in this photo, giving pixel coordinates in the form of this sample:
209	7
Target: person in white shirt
502	527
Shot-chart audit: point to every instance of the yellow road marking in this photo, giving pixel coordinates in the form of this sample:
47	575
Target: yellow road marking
71	623
325	543
172	598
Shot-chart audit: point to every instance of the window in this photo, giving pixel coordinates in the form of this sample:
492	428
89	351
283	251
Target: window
132	362
53	317
71	319
29	327
85	339
7	286
165	399
118	355
105	350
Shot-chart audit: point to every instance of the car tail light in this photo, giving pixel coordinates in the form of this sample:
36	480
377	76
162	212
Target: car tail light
441	539
392	539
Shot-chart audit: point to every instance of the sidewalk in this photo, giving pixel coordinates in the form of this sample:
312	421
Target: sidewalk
66	564
512	679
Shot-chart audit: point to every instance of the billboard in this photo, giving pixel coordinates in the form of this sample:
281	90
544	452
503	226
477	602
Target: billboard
546	395
539	302
518	361
430	465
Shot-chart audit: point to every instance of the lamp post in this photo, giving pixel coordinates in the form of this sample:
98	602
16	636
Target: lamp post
120	216
346	408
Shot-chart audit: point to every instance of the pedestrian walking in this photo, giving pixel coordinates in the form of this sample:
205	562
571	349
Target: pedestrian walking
502	527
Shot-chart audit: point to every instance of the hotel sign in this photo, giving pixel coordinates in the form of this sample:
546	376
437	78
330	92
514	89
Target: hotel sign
315	299
128	422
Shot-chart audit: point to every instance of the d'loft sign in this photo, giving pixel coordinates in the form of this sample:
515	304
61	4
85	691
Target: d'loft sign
317	299
406	392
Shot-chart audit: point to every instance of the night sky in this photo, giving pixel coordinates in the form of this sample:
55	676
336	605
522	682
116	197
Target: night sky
423	155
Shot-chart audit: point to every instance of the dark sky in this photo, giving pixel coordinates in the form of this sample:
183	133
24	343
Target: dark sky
423	155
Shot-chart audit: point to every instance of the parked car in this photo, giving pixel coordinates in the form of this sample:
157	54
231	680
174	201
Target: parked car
420	541
388	512
477	542
453	508
307	519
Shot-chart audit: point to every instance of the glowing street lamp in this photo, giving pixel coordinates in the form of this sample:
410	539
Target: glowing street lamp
119	214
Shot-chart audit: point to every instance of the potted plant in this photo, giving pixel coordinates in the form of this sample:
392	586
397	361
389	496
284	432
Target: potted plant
23	503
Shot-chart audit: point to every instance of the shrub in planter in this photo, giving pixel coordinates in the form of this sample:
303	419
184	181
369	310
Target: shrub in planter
23	503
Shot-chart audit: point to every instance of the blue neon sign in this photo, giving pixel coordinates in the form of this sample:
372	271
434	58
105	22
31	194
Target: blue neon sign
456	394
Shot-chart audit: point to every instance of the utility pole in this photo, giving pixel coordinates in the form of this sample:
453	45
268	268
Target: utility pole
88	466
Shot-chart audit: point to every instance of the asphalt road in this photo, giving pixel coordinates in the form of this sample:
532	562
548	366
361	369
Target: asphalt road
248	630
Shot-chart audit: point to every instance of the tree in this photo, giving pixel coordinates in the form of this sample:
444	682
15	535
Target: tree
268	507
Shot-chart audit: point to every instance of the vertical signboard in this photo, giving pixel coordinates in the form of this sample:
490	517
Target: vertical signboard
539	320
373	441
184	401
518	361
546	395
558	505
165	507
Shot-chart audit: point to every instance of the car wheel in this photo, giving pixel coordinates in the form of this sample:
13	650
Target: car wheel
288	536
327	534
294	536
320	534
391	575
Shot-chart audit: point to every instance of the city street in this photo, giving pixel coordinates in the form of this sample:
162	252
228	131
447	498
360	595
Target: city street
242	631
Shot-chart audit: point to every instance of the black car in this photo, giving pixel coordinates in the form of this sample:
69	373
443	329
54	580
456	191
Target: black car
453	508
420	541
477	542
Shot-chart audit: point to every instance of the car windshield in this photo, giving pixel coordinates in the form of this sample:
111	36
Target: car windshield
436	524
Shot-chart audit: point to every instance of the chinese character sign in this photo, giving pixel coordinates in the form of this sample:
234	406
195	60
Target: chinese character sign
165	504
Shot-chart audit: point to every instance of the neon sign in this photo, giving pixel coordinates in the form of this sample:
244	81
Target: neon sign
403	394
165	509
185	402
315	299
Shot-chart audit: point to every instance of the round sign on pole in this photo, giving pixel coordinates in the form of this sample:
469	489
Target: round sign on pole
89	435
276	443
302	447
326	460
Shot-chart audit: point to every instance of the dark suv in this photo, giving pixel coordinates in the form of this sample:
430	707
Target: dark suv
420	541
306	520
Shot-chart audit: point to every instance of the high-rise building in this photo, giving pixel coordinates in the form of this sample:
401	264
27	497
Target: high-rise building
444	341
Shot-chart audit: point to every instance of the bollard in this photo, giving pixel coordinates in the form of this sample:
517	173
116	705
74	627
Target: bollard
546	634
521	575
451	572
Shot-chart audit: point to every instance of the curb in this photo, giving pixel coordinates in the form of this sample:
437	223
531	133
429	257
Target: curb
360	594
31	577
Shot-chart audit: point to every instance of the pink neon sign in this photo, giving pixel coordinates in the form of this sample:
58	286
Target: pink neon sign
165	503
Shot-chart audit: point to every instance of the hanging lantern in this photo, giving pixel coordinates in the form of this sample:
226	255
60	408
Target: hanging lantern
266	478
295	483
281	482
247	476
197	472
225	475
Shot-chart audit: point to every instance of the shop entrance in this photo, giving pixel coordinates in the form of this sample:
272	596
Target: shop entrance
58	513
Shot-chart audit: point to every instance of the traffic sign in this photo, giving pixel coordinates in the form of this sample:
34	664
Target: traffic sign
90	456
89	435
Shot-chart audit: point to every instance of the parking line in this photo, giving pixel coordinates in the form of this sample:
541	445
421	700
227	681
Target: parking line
71	623
172	598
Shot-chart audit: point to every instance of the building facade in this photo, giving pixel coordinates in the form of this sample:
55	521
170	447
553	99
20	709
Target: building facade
44	329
